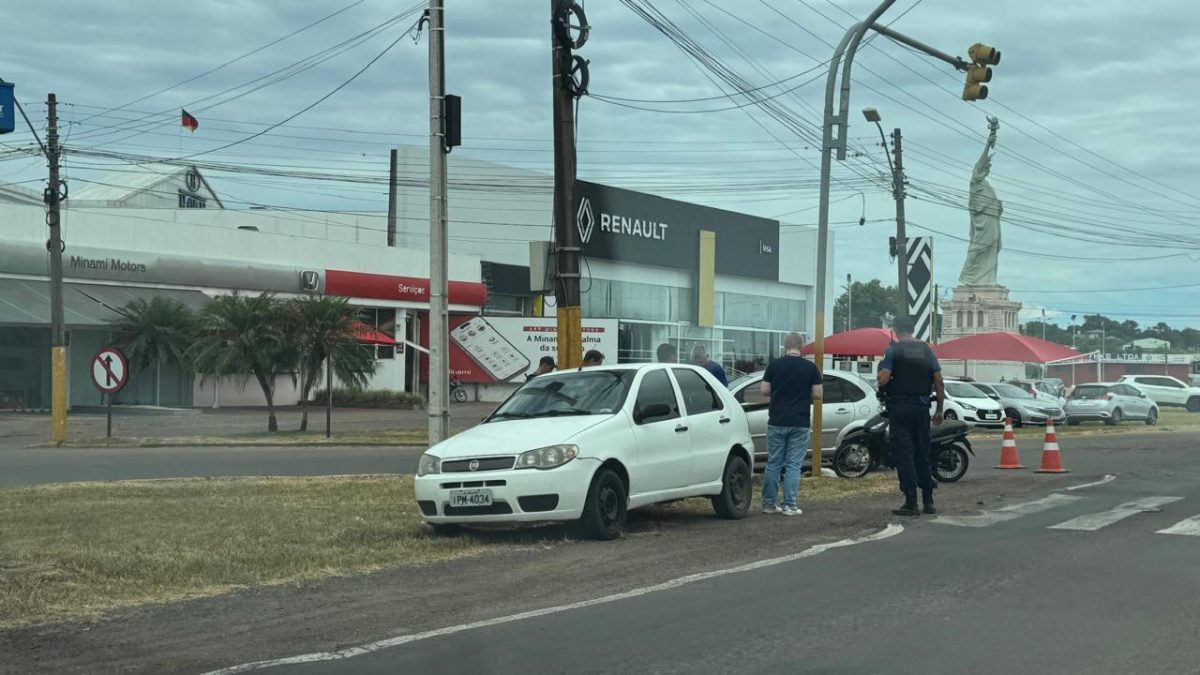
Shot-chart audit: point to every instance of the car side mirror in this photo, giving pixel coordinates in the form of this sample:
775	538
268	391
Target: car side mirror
652	410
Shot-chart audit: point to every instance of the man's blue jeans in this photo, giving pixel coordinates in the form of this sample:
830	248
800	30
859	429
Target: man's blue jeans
785	453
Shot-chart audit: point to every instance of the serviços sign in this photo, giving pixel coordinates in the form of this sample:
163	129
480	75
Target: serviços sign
617	224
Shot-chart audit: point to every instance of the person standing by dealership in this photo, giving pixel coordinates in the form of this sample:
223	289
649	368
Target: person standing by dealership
666	353
545	365
700	358
791	383
908	373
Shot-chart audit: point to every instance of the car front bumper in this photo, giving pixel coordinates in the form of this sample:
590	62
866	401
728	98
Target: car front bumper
518	495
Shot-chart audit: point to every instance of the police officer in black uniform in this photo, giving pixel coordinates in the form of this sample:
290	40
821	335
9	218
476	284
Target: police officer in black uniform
907	375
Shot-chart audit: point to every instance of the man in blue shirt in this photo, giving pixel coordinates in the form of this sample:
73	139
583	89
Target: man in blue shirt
791	382
907	375
700	358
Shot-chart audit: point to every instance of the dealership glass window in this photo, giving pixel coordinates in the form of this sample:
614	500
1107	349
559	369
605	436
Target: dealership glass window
604	298
505	305
760	312
382	319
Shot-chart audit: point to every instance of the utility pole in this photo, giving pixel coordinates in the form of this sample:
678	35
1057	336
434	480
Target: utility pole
439	337
566	234
849	303
901	239
58	337
391	217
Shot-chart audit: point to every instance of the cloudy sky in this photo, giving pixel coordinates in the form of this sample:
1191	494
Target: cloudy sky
1097	102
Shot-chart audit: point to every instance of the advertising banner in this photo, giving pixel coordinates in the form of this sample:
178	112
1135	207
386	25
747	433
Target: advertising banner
488	349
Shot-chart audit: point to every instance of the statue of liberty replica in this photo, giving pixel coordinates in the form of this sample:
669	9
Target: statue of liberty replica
980	304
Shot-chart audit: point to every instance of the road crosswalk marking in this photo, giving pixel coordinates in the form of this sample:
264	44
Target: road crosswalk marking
1189	527
1008	512
1091	522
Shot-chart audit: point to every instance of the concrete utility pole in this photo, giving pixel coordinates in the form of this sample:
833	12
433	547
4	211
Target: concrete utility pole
439	318
58	335
901	238
566	234
392	187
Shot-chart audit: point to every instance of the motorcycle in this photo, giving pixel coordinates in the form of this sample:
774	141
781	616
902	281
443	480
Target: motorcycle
863	445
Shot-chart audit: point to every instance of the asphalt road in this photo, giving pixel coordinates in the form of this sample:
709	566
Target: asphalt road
30	466
1082	582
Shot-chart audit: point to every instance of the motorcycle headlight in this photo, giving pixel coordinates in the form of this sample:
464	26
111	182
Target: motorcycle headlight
429	464
967	406
548	457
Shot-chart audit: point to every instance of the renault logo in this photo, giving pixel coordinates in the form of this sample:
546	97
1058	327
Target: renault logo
473	465
584	220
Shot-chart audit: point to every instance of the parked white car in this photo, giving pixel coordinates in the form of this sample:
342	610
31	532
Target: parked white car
966	402
1166	391
848	397
587	445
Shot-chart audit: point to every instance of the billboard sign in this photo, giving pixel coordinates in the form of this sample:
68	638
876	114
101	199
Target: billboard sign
489	349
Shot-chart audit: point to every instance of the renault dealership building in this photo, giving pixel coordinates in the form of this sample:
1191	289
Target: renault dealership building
647	278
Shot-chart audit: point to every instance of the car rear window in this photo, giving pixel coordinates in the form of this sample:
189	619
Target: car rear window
1089	391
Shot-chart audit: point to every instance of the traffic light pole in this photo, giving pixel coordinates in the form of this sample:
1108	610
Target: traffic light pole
566	234
843	56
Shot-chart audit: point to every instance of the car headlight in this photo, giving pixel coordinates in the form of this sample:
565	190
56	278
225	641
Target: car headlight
547	457
967	406
429	464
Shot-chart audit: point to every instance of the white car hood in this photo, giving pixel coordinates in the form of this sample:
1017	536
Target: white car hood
510	437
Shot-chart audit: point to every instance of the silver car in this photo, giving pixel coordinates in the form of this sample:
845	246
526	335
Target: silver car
1019	405
1111	403
848	397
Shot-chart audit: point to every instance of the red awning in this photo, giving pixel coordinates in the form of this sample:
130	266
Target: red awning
1003	347
367	335
857	342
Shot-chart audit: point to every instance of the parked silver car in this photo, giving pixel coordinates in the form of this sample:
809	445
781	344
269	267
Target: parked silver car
1111	403
848	397
1019	405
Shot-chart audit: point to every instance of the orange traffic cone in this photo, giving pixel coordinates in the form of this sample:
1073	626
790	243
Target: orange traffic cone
1008	449
1051	457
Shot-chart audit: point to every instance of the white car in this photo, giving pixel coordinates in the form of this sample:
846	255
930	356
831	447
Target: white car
848	397
966	402
587	445
1166	391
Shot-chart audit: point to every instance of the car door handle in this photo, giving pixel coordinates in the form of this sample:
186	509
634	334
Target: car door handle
842	410
725	420
680	429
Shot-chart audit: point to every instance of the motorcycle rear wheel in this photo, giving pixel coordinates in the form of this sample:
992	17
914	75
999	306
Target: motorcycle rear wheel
950	464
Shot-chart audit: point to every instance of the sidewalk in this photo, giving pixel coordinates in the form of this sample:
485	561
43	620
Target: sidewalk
25	429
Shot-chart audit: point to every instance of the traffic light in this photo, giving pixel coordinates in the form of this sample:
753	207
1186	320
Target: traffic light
982	58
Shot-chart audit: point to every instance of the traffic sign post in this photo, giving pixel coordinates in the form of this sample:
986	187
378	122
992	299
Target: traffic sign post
110	370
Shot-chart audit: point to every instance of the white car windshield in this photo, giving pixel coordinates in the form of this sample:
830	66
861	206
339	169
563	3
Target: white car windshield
963	390
588	392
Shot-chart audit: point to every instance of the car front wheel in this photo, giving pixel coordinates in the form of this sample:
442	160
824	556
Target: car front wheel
604	512
1193	404
949	415
736	490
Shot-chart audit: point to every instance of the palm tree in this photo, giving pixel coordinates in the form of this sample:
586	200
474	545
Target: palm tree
157	330
248	334
325	328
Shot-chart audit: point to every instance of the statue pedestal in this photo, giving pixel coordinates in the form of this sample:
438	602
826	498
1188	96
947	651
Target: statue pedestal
978	309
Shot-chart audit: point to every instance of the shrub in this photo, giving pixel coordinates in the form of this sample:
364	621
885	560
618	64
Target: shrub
369	398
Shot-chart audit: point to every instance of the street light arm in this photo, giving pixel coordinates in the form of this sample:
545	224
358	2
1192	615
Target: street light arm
855	34
888	154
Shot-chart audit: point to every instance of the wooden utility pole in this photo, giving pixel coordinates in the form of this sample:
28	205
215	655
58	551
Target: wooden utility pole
566	234
58	333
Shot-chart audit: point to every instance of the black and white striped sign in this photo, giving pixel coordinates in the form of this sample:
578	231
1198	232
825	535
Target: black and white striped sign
920	285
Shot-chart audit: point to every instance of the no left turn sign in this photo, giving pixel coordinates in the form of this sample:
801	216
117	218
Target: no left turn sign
110	369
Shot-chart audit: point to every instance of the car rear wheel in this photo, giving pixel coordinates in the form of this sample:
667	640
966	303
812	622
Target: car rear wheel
1116	418
1193	404
604	512
736	490
1152	417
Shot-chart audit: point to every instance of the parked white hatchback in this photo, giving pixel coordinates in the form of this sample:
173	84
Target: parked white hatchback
966	402
587	445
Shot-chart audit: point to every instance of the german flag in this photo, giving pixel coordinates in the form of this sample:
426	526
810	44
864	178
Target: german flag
190	123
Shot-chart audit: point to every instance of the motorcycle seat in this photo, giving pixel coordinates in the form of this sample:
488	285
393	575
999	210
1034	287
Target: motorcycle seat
949	429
